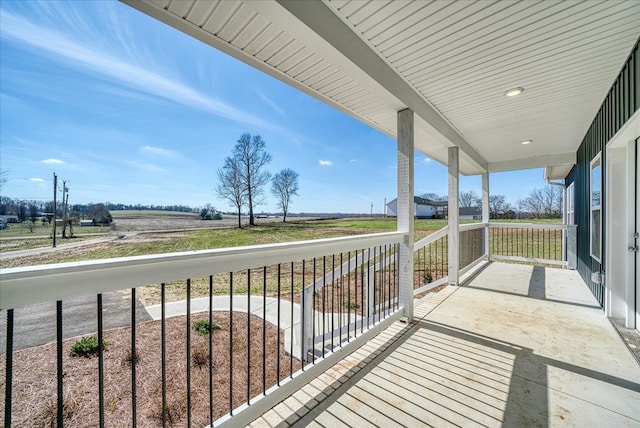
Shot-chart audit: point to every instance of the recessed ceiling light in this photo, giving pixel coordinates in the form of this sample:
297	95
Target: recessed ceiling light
514	92
525	142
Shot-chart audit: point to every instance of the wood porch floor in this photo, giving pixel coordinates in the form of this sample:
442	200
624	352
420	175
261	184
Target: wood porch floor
515	346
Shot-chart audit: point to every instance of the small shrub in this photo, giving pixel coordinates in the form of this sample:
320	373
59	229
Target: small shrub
427	277
351	305
50	413
174	411
129	358
203	328
86	347
200	357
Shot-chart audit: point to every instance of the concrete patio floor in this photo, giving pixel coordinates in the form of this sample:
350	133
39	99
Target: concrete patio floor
516	346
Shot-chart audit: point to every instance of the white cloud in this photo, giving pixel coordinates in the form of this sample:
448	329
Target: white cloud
37	180
53	161
325	162
427	160
158	151
270	102
93	57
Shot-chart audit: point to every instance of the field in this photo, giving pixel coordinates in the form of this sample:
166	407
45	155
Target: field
153	232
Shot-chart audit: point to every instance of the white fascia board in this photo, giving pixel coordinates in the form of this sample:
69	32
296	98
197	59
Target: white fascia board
534	162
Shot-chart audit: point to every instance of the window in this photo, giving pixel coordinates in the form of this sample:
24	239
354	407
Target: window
596	212
570	204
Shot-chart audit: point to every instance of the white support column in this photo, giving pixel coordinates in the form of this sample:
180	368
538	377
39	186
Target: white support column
405	209
454	214
485	211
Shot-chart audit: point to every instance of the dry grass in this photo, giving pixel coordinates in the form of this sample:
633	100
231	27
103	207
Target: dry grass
34	391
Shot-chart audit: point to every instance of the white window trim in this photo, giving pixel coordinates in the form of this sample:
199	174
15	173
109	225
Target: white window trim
592	208
571	219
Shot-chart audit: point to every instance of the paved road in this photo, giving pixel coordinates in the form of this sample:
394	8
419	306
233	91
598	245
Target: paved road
36	325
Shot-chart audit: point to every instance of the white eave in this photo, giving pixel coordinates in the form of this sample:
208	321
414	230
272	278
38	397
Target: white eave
449	61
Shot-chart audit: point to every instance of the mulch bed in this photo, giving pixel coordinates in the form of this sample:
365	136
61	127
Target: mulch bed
34	375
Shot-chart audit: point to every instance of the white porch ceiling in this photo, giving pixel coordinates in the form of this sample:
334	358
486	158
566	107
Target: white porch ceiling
450	61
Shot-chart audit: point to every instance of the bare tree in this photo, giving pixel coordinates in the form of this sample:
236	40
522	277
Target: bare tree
251	157
230	185
545	202
99	214
283	186
433	197
469	199
498	206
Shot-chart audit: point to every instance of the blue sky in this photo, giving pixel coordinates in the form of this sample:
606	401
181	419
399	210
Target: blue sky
129	110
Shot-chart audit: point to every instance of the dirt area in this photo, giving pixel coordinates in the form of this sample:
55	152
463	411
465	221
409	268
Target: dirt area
124	230
34	391
187	222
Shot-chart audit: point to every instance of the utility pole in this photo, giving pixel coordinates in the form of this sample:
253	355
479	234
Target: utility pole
55	192
385	207
65	199
371	209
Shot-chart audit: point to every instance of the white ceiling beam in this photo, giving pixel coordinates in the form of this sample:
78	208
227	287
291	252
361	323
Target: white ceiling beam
534	162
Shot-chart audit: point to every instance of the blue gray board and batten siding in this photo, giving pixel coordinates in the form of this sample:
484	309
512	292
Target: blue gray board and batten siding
619	105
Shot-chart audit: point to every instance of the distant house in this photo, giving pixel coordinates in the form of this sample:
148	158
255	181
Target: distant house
426	208
470	213
423	208
10	219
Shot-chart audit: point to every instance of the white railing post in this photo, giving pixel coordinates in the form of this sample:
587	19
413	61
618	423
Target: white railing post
306	317
454	214
486	215
405	211
572	246
370	284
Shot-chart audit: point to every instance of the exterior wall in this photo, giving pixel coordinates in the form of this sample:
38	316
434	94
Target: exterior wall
619	105
425	211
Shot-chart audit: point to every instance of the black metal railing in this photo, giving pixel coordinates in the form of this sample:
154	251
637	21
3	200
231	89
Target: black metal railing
215	343
534	243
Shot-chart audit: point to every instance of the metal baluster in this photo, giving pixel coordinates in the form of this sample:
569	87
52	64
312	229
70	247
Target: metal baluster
369	296
100	364
375	310
349	297
333	299
189	352
60	415
362	292
324	301
341	299
134	358
211	351
303	316
248	335
163	357
8	370
313	319
264	330
231	343
278	330
291	325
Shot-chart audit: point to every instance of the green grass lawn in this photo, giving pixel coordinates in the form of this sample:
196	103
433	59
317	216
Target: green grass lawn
219	237
32	230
